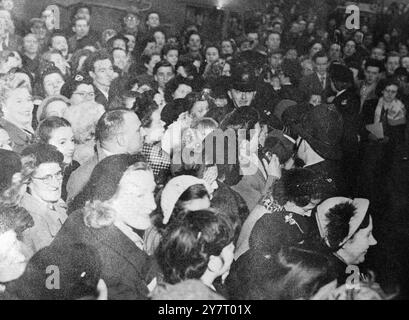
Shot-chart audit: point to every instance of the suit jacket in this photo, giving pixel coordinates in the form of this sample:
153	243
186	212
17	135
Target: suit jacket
371	94
18	137
126	269
311	84
368	113
101	99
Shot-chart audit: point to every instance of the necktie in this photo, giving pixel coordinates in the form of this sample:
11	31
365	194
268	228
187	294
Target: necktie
322	82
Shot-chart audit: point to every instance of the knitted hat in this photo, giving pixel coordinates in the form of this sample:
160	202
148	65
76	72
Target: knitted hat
323	220
322	127
107	174
10	164
174	189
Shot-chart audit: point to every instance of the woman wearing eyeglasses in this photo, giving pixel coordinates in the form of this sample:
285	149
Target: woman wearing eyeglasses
43	196
79	88
384	123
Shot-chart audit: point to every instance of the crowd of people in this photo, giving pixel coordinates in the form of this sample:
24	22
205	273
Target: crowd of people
148	165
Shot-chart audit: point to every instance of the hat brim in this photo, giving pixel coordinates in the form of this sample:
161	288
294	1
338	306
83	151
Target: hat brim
244	87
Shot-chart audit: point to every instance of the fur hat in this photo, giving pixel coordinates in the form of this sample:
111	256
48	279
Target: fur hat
327	213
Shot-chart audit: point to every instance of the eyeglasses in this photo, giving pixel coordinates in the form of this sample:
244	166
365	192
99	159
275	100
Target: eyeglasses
84	94
48	179
391	91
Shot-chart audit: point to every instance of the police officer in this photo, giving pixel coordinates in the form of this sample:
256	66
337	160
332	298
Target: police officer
347	102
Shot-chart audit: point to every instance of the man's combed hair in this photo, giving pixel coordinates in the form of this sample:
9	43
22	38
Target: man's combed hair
89	63
110	124
338	226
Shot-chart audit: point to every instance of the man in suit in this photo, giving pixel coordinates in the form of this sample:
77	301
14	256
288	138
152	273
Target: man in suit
366	87
100	68
118	131
318	82
347	103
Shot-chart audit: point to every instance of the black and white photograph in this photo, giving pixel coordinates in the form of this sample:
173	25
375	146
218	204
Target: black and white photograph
220	152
